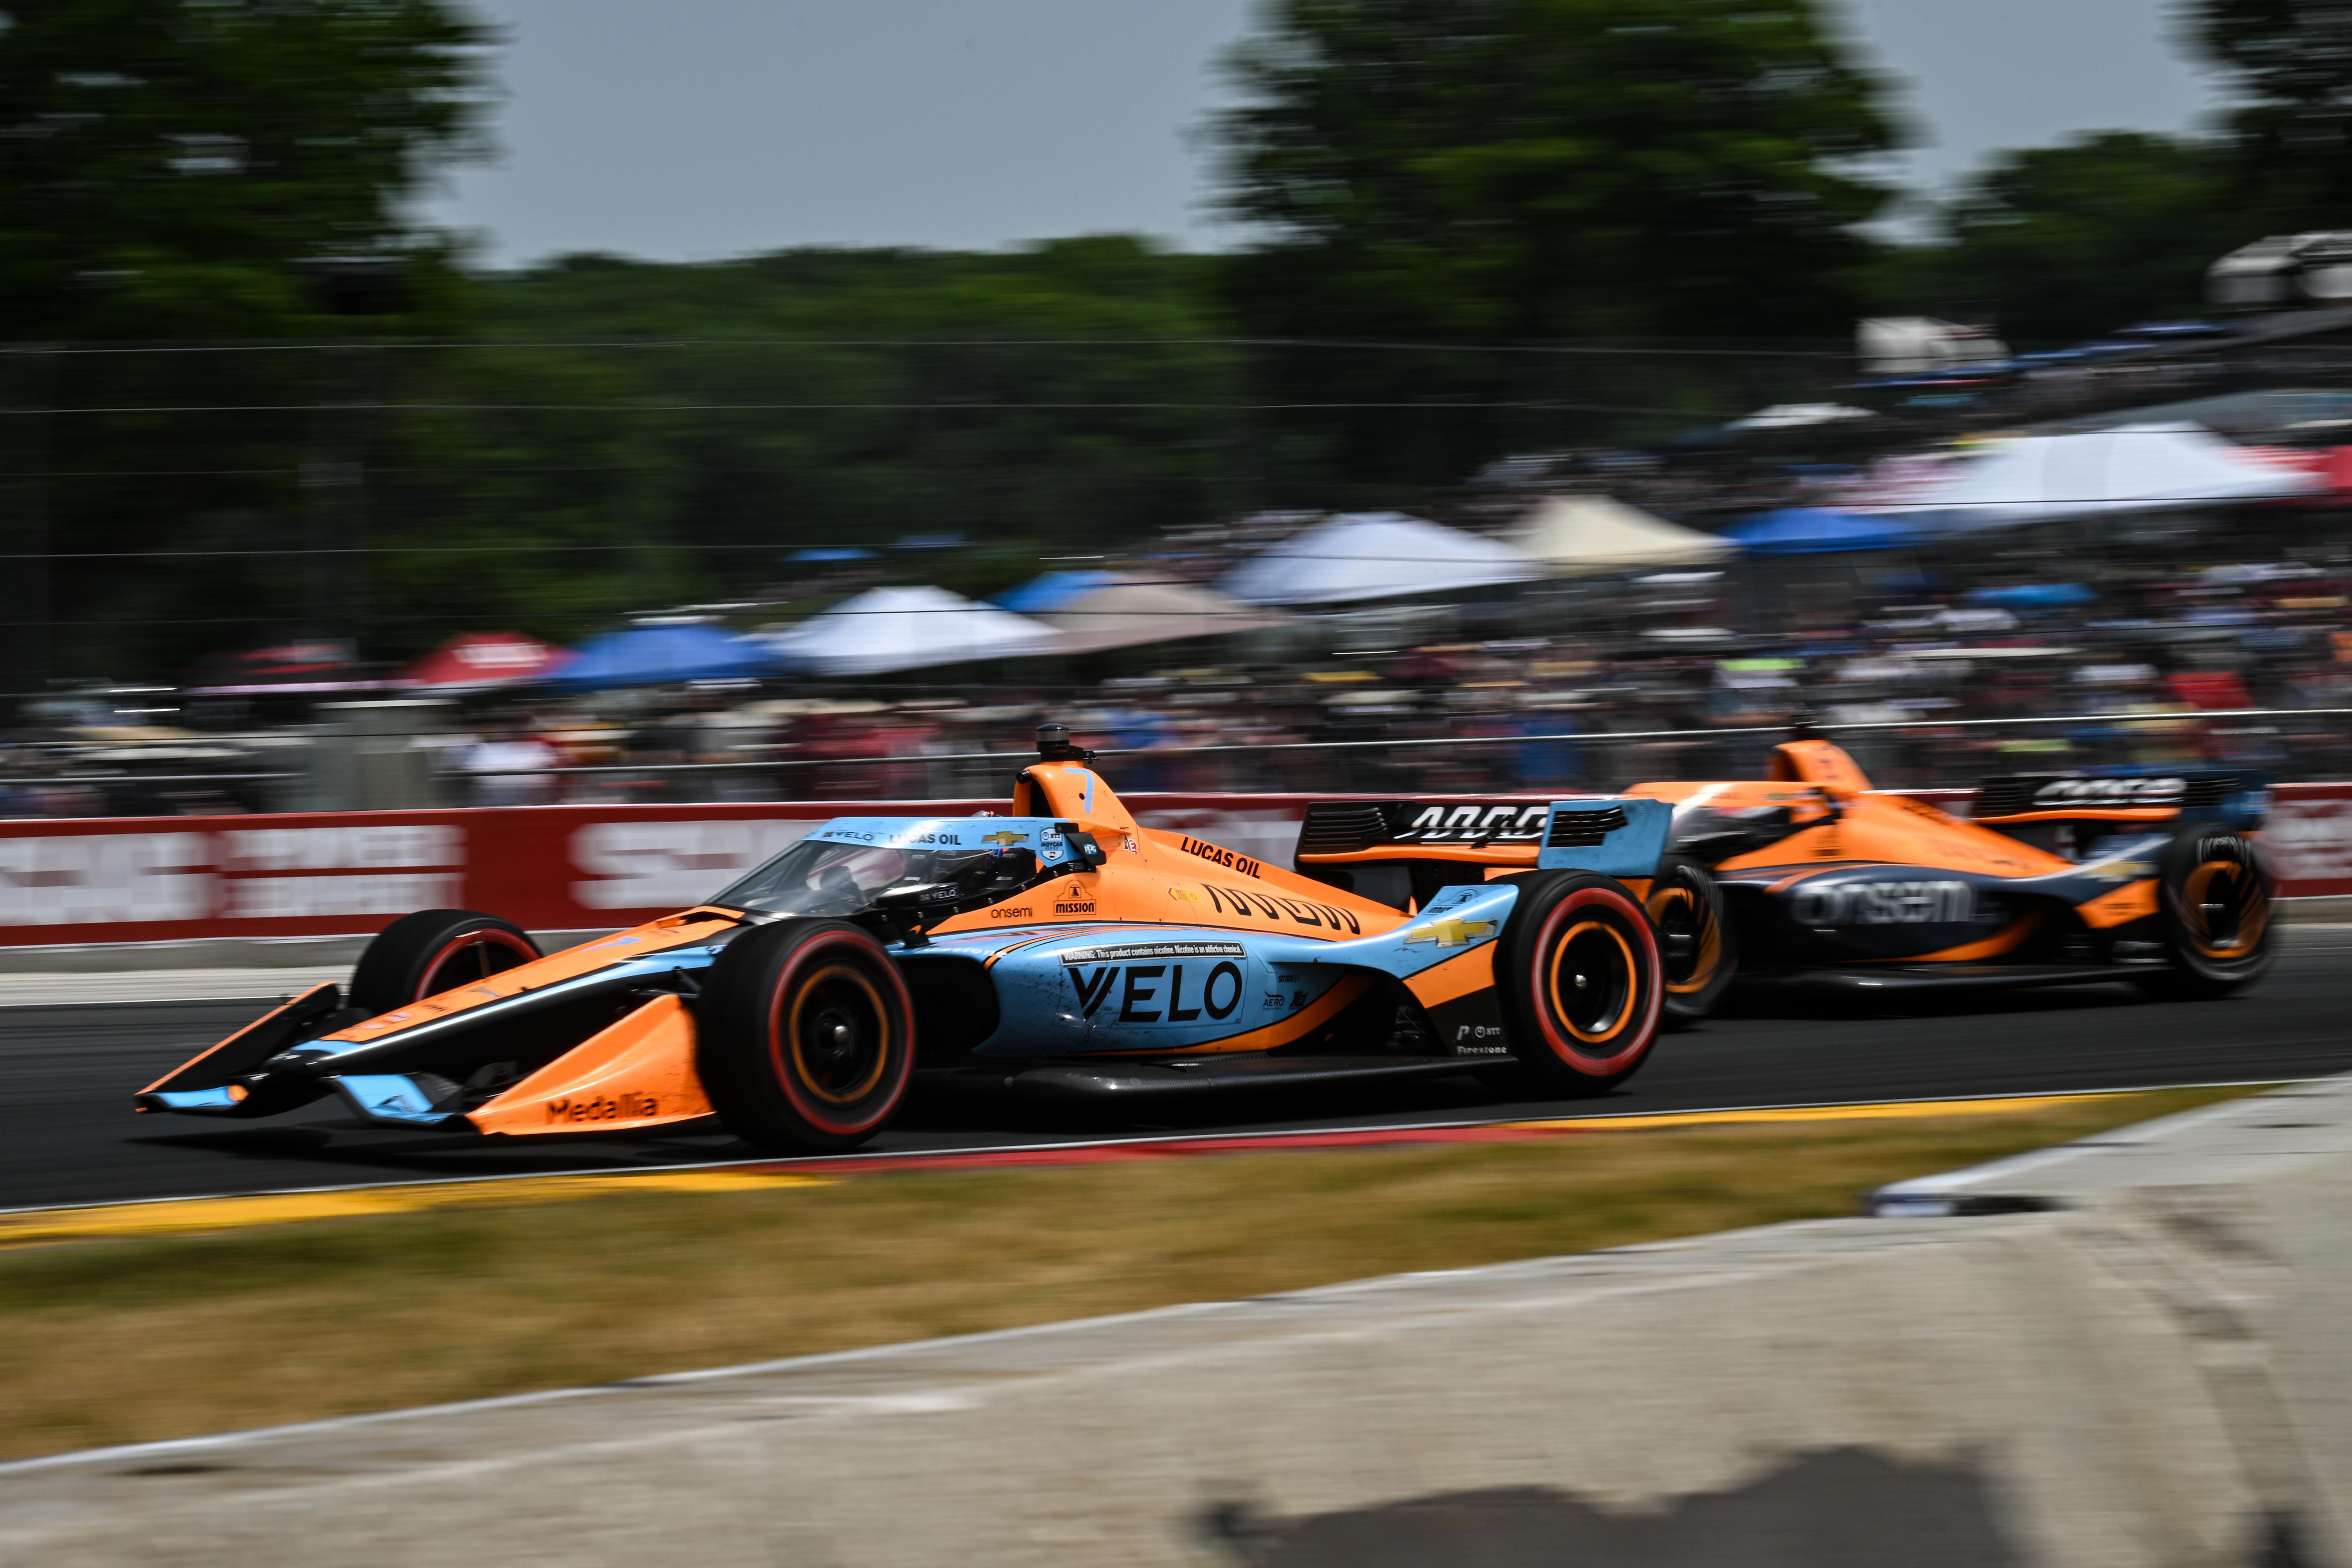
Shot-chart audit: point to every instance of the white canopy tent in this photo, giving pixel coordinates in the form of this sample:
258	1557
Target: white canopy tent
1130	614
2137	468
887	629
1374	555
1578	536
1799	417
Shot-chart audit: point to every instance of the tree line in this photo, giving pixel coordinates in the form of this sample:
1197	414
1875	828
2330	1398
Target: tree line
1463	215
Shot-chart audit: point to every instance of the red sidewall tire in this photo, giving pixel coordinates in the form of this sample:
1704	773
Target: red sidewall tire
1571	927
771	1004
434	950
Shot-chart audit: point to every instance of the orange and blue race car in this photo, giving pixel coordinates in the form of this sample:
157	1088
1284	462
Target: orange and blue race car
1809	877
1063	949
1060	948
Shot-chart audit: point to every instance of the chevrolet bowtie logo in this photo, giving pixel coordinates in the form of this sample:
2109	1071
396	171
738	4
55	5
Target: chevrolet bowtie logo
1449	933
1005	839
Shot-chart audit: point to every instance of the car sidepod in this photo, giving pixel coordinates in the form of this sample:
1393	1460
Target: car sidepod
1131	990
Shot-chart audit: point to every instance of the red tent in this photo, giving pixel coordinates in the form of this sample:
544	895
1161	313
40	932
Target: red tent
485	658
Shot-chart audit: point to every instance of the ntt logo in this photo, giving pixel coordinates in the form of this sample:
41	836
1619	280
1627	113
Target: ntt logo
1886	904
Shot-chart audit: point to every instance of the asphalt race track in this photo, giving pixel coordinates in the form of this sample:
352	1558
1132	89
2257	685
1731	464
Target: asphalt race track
67	1134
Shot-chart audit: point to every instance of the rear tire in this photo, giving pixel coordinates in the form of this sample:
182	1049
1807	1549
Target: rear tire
1695	939
804	1036
1580	980
434	950
2213	911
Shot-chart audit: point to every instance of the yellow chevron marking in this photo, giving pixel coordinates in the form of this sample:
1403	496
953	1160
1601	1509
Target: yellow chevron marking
196	1214
1449	933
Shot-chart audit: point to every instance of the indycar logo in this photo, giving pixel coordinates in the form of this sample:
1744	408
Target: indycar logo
1515	822
1450	933
2152	791
1885	904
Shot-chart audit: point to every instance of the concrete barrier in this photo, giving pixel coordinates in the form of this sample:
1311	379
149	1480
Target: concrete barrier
2132	1352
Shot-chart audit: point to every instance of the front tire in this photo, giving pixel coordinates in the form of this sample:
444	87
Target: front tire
434	950
804	1036
1695	939
2213	916
1580	980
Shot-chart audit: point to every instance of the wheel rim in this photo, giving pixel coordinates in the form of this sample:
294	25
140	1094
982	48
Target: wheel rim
1690	939
2226	908
838	1030
474	956
1591	981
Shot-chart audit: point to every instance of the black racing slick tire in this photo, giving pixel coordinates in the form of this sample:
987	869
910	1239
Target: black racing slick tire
1581	981
434	950
2213	916
804	1036
1695	939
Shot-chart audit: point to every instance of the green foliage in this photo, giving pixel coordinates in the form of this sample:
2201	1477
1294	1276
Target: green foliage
1066	393
186	171
2063	243
1551	168
2289	65
617	436
170	166
1445	170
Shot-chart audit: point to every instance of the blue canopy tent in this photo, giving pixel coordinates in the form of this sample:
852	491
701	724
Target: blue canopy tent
826	557
1818	530
1045	594
2036	597
662	655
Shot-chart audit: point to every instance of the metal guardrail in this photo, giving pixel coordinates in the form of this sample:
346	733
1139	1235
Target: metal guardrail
1903	757
1603	737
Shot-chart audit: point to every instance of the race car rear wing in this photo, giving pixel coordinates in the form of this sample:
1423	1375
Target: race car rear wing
1618	836
2216	795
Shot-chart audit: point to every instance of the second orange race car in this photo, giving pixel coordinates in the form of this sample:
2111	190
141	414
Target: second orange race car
1809	876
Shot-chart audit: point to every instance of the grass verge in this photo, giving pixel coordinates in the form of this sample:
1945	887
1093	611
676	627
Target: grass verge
127	1340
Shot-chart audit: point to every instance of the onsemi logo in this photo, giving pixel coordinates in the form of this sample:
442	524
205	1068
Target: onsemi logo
626	1106
1885	904
1226	857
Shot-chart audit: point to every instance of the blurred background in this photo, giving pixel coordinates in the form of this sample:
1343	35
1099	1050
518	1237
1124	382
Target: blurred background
1538	395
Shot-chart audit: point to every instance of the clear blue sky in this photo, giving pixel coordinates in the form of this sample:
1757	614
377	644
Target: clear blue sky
697	129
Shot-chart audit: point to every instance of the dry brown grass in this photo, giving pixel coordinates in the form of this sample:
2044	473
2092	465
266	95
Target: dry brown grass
120	1341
